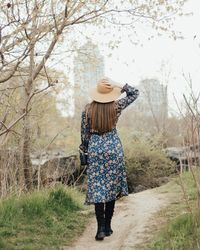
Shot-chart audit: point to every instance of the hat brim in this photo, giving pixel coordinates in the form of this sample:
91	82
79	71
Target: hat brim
107	97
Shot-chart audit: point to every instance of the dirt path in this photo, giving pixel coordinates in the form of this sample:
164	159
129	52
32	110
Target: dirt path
131	223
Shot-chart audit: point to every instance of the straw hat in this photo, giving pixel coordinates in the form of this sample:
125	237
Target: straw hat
105	91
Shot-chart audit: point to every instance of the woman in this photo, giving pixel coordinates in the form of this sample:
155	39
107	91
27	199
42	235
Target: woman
106	169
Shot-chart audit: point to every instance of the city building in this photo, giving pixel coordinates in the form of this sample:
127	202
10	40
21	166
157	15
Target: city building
88	69
153	99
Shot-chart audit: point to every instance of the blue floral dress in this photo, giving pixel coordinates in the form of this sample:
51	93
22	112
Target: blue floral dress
106	173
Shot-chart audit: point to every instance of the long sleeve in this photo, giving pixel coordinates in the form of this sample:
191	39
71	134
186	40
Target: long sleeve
85	134
132	94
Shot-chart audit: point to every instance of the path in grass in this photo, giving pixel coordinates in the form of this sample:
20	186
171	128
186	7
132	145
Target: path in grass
132	222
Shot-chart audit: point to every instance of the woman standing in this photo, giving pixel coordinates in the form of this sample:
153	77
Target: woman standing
106	174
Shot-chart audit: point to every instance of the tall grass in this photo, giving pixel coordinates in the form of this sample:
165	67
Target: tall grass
41	220
182	231
181	234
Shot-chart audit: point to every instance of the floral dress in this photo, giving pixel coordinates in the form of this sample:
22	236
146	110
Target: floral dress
106	173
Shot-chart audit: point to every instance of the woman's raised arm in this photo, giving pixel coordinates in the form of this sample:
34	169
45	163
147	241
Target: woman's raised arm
132	94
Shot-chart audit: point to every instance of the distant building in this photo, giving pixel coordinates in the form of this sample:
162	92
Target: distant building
88	69
153	99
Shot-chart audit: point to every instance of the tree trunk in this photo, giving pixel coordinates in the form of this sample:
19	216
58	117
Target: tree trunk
25	155
26	164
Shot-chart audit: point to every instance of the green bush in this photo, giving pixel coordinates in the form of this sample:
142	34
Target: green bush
146	164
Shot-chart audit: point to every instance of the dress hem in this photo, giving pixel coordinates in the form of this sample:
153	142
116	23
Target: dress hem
119	196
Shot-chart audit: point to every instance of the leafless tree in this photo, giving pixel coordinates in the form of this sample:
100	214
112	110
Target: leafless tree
190	115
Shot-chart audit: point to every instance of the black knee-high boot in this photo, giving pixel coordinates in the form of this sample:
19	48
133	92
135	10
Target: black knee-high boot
99	211
109	210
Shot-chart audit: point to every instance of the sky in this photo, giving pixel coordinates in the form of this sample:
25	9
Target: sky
161	57
131	63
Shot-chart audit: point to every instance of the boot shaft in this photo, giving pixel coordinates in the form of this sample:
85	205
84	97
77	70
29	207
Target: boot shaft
109	209
100	217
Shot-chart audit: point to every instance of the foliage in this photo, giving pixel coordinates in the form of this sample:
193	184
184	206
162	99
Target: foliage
146	164
41	220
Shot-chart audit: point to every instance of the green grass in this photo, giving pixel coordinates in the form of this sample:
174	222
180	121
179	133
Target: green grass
42	219
182	229
182	233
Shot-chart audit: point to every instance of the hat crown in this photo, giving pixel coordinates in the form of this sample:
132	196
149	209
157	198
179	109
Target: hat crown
104	88
105	91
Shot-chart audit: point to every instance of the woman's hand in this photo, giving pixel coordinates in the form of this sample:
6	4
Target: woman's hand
109	81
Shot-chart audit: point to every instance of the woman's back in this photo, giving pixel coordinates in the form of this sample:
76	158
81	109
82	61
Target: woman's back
100	118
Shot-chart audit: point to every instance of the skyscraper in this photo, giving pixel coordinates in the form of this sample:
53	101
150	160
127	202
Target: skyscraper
153	99
149	113
88	69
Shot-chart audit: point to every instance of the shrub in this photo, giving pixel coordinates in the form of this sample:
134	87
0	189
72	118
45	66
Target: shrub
146	164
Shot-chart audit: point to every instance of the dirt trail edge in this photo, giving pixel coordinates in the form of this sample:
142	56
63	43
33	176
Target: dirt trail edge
131	223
